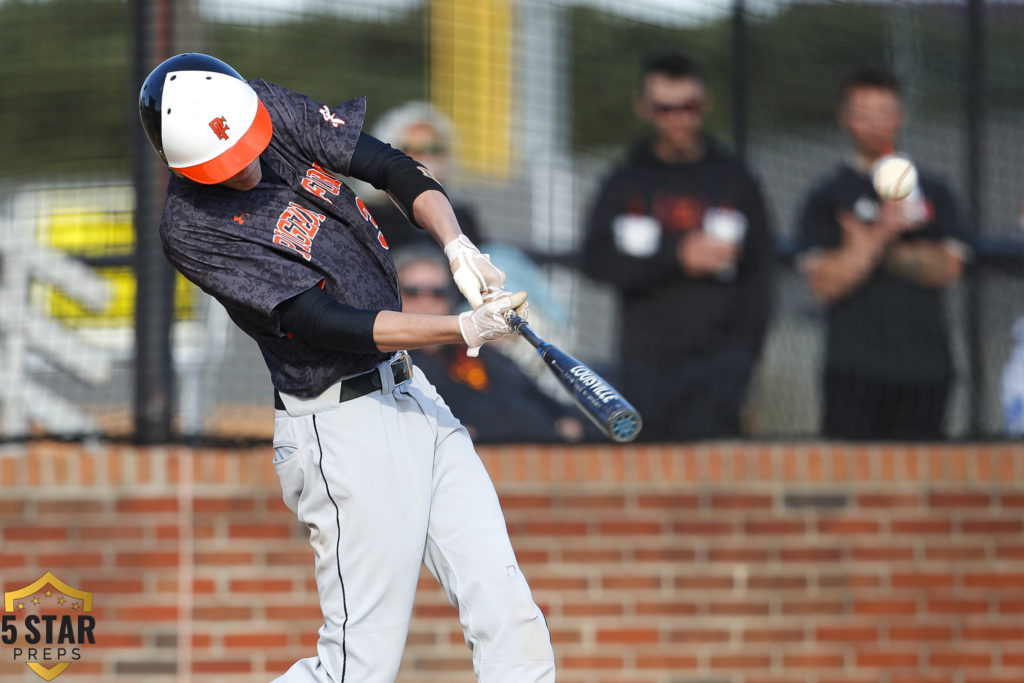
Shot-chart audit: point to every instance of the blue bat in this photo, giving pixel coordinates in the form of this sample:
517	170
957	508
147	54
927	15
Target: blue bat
598	399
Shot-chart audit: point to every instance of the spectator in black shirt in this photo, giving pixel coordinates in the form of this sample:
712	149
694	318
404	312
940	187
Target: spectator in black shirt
680	229
880	267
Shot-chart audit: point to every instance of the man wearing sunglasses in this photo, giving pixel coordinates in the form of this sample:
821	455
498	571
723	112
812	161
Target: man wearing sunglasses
427	135
680	229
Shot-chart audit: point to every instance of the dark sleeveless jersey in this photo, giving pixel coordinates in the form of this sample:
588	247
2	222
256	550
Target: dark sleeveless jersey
299	228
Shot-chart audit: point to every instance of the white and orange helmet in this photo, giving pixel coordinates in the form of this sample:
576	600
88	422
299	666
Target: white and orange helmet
202	118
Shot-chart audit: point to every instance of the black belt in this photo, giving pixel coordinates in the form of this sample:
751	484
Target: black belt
366	383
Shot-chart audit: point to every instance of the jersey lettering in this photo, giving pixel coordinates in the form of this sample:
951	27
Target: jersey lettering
296	228
365	212
320	181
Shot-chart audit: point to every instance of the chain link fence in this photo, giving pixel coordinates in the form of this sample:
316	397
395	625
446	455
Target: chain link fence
100	340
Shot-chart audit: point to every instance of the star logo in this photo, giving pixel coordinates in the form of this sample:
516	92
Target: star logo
46	637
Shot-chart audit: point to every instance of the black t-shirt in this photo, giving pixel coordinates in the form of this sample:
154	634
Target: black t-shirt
889	328
299	227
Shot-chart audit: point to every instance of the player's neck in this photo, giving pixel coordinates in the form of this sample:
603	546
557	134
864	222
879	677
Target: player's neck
864	161
673	153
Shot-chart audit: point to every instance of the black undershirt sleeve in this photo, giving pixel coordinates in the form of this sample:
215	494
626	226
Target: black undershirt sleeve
391	170
317	317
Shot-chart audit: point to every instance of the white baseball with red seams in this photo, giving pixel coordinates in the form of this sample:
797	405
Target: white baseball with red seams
894	177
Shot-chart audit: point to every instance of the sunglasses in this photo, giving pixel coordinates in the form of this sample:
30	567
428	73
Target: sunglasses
690	107
435	292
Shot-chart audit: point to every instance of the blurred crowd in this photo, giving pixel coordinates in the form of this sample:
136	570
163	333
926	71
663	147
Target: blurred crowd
679	228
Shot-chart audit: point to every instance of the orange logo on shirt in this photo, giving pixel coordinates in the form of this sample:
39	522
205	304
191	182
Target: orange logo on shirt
296	228
678	213
320	182
220	128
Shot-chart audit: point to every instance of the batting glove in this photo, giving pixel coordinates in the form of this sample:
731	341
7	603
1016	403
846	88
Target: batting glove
472	271
490	321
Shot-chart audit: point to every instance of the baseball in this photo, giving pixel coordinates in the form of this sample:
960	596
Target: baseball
894	177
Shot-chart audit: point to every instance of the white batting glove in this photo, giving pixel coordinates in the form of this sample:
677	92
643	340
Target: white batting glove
490	320
472	271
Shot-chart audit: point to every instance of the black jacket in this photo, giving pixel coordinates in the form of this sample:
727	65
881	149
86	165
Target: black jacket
664	310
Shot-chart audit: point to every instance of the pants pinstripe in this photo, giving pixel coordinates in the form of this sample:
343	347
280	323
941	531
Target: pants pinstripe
384	483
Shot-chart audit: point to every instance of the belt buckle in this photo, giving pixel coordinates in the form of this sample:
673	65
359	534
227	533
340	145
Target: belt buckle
399	365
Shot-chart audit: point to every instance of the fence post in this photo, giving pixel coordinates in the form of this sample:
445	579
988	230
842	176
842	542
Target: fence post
154	277
974	114
739	78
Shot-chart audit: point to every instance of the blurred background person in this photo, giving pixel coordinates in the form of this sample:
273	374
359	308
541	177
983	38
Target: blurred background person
1011	382
879	267
426	135
680	229
490	394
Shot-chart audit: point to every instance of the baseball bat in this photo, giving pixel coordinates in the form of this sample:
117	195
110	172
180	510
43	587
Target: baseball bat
598	399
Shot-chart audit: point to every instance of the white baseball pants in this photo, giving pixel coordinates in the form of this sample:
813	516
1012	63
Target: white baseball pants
384	483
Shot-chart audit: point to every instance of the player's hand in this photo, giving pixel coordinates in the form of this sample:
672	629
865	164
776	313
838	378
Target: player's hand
473	272
892	217
867	242
490	320
701	256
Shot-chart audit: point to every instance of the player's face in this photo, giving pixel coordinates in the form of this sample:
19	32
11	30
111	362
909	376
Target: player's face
873	117
675	108
424	143
426	287
246	179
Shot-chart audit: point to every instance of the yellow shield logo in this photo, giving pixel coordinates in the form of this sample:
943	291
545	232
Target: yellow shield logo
47	632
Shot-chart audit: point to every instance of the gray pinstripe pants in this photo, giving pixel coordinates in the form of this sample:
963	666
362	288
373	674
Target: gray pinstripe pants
384	483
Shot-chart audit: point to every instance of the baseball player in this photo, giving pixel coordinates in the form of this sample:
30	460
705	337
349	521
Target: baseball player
369	457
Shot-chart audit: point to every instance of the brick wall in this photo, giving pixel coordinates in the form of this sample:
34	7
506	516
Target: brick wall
719	564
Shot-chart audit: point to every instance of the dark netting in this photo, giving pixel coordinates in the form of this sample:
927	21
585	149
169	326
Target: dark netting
538	97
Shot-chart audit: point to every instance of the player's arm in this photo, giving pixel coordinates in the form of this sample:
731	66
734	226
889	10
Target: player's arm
937	262
926	263
318	318
408	183
423	201
835	273
832	274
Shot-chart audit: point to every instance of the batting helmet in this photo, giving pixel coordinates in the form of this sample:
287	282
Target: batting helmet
202	118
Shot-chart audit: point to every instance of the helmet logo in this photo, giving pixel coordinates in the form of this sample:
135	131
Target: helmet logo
220	127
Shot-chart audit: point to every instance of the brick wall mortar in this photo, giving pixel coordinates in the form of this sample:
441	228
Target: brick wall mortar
746	563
